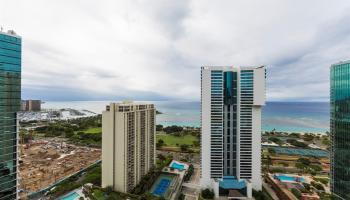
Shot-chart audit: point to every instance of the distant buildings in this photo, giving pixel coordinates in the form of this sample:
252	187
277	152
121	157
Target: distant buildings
30	105
231	101
128	144
340	129
10	100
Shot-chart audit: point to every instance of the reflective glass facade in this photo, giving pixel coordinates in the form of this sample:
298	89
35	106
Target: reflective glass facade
10	97
340	129
230	123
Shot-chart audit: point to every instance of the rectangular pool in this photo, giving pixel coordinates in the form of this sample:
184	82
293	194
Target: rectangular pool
71	196
161	187
289	178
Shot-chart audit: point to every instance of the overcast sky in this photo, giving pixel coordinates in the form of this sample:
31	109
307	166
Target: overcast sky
153	49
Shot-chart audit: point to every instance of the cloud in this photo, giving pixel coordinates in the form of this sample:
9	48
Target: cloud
76	50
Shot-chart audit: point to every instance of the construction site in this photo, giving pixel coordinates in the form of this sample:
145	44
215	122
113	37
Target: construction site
46	161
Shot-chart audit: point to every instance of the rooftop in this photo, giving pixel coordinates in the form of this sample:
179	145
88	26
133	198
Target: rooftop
340	63
11	33
231	67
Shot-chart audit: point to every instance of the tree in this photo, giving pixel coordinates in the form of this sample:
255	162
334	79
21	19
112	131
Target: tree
181	197
172	129
184	147
304	161
269	162
296	193
307	186
160	143
318	186
295	135
316	168
196	143
308	137
296	143
326	141
271	151
161	157
275	140
299	165
159	127
207	194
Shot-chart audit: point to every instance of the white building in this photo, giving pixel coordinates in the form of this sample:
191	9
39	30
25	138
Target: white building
231	101
128	144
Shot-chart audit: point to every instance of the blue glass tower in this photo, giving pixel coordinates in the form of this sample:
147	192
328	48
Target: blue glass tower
10	97
340	129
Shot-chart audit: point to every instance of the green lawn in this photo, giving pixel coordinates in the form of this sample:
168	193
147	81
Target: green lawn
98	194
94	130
171	140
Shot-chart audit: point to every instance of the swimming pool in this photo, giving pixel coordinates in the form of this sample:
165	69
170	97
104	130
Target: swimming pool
71	196
161	187
177	166
288	178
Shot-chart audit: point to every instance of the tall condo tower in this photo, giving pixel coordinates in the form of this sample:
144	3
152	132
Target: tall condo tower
231	101
10	102
128	144
340	129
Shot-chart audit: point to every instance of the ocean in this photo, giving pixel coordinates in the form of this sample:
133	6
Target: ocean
281	116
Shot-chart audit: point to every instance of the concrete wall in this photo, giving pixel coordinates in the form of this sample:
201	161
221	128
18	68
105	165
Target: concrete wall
206	131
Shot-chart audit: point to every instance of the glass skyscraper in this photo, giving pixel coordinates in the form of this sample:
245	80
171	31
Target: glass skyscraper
340	129
10	98
231	101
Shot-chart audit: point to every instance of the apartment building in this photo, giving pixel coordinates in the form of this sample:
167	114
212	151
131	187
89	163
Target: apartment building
231	102
128	144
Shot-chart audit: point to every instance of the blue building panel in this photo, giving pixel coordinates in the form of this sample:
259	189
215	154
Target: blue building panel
10	98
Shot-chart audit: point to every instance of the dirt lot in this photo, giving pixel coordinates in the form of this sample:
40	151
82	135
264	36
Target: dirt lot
43	162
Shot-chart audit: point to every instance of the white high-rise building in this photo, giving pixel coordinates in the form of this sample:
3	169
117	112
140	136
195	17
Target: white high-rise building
128	144
231	102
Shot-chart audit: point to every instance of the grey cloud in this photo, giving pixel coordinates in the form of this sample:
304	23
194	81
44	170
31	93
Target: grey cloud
154	49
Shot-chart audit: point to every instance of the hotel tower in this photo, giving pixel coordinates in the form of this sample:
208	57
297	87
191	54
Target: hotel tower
231	102
340	129
128	144
10	101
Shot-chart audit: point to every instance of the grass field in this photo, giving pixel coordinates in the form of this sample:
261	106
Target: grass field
171	140
94	130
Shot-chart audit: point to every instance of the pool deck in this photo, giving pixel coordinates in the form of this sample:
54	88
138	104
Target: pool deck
176	186
78	191
304	178
179	163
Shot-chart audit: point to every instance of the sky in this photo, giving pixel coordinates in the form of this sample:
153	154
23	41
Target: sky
153	49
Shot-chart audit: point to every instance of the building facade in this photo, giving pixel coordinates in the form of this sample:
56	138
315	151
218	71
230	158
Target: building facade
340	129
30	105
128	144
231	101
10	100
